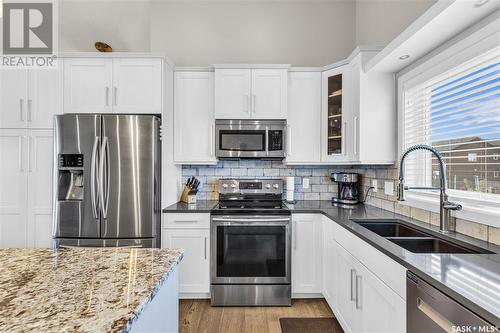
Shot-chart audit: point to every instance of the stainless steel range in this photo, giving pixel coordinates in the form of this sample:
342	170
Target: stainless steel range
250	244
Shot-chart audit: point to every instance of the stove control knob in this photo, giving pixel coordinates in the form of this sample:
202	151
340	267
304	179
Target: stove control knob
268	186
224	185
276	186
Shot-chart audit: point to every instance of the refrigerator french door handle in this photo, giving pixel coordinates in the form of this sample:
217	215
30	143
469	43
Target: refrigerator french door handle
93	175
104	177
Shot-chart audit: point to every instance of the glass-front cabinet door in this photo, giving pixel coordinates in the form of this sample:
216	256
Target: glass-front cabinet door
334	116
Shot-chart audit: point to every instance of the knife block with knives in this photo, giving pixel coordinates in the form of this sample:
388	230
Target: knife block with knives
190	190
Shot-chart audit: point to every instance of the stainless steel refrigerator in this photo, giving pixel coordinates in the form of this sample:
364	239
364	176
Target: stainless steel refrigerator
107	180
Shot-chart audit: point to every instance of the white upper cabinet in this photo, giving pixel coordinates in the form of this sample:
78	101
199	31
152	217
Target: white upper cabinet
372	121
87	85
119	85
358	124
232	93
250	93
304	118
13	98
29	98
269	93
335	119
137	85
44	97
194	123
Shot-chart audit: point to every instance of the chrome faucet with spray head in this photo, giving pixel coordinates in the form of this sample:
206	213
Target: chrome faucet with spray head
445	205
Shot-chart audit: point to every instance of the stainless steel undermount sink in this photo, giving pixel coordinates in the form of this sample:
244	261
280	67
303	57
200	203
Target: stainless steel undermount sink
415	240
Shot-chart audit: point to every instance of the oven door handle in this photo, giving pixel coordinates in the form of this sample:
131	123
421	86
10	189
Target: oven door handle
255	220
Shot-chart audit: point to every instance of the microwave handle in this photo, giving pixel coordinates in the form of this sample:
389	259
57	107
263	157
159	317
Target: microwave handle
267	141
289	141
212	134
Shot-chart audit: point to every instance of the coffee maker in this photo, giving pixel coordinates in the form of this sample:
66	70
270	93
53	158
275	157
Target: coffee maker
348	193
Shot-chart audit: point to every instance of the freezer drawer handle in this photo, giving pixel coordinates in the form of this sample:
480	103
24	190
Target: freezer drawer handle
435	316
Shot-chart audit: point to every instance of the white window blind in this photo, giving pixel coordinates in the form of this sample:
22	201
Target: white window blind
458	113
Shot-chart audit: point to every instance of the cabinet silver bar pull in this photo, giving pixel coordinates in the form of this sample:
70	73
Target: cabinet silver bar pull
355	135
344	145
21	168
294	230
212	134
21	102
253	103
358	291
107	96
115	96
289	134
217	219
29	110
205	248
435	316
30	169
353	277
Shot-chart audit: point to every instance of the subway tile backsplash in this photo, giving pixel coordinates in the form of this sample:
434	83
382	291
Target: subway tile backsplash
320	185
322	188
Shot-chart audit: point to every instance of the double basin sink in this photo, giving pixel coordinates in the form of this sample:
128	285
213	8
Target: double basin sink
415	240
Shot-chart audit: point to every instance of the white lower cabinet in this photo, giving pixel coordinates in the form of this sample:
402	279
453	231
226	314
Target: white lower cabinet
194	272
365	303
25	187
362	299
306	254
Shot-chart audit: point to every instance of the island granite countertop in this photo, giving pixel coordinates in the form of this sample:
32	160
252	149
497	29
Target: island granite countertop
80	289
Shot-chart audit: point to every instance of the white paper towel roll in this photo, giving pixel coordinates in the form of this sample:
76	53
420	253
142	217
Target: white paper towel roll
290	188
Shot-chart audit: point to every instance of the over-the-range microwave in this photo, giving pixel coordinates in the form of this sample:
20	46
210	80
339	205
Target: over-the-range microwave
259	139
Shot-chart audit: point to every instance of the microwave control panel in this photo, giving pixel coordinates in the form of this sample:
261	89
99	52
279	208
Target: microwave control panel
275	140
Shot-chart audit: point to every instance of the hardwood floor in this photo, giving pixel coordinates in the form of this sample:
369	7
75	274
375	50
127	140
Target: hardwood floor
198	316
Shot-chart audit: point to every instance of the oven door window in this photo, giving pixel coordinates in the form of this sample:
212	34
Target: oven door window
242	140
251	251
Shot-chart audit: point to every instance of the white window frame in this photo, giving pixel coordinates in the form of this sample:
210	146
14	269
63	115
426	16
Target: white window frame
483	208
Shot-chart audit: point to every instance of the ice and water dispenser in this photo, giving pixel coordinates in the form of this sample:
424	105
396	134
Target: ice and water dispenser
70	180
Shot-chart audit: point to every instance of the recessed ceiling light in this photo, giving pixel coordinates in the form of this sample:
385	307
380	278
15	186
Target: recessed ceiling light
479	3
405	56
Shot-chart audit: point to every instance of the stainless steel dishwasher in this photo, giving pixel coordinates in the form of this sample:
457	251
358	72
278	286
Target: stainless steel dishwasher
429	310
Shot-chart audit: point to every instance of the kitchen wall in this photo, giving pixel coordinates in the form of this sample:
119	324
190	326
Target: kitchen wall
201	33
322	188
301	33
125	25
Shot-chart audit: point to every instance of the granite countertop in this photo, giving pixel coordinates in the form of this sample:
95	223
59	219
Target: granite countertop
471	279
201	206
81	289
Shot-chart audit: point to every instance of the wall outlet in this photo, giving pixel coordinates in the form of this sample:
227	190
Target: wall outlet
389	188
374	185
305	183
